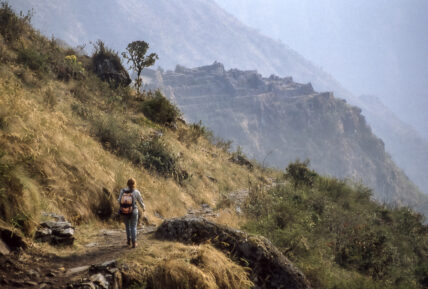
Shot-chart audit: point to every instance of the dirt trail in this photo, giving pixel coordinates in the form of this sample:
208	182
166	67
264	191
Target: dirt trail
34	268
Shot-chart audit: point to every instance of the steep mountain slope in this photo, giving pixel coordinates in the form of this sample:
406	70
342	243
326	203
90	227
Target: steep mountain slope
370	47
407	148
194	33
69	141
279	120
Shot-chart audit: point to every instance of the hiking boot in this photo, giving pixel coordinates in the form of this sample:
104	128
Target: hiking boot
128	242
134	244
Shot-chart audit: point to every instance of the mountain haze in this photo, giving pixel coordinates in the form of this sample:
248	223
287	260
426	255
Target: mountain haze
278	120
71	137
197	32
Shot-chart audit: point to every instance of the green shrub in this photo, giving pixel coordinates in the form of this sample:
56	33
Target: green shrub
317	220
194	132
157	157
12	26
221	143
299	174
33	59
70	68
160	110
151	153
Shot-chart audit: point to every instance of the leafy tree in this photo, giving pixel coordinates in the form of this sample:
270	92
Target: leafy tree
136	55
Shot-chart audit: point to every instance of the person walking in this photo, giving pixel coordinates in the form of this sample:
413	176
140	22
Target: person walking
128	199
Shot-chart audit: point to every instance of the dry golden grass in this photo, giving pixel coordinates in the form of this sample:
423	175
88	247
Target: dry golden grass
174	265
64	169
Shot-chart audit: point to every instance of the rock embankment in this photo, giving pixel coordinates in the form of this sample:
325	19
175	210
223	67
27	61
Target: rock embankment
269	268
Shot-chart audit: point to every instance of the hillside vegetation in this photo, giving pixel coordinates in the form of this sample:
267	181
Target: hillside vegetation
69	142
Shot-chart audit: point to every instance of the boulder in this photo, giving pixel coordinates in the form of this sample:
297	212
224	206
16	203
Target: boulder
58	232
269	268
109	69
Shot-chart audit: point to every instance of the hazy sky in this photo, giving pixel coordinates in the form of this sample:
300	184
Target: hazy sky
375	47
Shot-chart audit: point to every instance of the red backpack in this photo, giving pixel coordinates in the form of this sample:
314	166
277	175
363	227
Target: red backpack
126	203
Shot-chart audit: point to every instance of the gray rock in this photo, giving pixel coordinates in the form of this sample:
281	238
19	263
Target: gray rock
56	225
86	285
99	280
55	232
76	270
110	70
103	267
33	274
269	268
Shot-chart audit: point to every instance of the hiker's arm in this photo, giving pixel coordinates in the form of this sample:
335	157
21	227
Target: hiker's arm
140	200
120	196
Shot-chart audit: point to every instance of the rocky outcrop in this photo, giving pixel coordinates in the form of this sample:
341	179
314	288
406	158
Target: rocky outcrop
277	120
108	68
56	232
106	275
269	268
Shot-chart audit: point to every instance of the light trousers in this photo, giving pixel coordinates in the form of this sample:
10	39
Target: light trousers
131	222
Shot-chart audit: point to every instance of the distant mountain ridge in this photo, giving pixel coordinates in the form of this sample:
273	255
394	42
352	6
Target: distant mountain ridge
278	120
196	32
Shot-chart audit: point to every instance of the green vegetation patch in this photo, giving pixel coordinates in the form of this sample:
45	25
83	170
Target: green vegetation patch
160	110
337	235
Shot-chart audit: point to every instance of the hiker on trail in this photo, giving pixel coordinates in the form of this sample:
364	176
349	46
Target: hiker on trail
129	210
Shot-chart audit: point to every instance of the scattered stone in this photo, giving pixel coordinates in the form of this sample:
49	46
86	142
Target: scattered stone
76	270
43	285
51	274
102	276
33	274
269	268
90	245
158	215
31	283
100	280
103	266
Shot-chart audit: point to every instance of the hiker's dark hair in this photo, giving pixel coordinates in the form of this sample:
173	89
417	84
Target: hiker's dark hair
131	183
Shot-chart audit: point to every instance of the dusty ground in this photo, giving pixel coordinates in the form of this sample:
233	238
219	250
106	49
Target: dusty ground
37	268
45	266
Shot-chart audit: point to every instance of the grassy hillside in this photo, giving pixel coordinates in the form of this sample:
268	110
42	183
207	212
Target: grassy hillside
337	235
69	142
